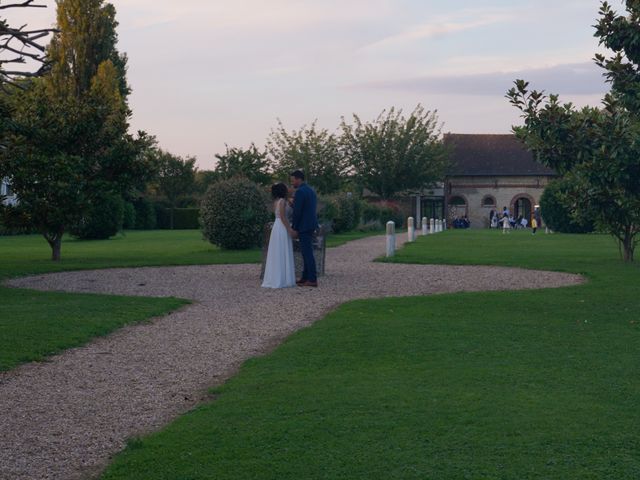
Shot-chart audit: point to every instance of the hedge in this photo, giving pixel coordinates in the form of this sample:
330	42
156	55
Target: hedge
183	218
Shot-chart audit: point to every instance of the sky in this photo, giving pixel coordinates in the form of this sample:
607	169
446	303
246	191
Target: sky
210	73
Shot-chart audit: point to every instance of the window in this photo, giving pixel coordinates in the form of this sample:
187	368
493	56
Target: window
488	201
457	201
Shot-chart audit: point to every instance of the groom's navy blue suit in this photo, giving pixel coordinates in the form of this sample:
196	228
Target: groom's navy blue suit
305	222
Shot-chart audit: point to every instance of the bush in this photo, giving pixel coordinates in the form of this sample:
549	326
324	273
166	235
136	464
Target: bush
145	215
343	211
233	214
103	220
129	218
381	212
559	210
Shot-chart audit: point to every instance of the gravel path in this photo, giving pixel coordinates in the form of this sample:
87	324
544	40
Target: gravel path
65	418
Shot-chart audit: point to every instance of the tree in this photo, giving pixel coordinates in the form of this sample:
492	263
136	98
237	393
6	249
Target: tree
69	142
315	151
394	153
562	209
19	45
176	178
597	148
249	163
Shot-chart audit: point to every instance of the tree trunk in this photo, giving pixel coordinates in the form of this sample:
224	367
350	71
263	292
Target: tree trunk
55	242
628	247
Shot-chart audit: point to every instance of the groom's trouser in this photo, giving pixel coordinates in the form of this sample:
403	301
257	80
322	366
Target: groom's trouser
306	248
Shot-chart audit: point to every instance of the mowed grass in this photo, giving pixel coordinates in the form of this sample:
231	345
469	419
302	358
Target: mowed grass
34	325
538	384
24	255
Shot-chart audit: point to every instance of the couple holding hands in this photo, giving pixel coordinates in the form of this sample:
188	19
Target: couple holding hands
280	268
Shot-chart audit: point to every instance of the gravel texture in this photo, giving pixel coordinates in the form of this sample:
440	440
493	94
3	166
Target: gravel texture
66	417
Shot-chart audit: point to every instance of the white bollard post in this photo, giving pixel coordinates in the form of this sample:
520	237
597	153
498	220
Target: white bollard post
391	239
425	226
444	224
432	224
411	229
437	226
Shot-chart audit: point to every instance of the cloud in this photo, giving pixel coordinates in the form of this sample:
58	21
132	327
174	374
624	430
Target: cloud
275	15
568	79
444	25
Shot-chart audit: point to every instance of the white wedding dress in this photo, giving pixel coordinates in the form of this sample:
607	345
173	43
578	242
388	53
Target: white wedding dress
279	269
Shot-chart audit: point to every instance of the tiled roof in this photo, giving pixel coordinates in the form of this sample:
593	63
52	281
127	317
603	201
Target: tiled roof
491	155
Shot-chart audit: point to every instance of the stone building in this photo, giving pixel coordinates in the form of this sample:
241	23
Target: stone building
7	196
488	172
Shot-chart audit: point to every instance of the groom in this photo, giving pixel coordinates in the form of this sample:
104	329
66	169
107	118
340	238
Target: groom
305	222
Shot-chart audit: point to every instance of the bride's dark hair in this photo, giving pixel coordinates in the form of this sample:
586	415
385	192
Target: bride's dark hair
279	190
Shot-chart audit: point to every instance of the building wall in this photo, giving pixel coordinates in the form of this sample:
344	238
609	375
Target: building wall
505	191
8	197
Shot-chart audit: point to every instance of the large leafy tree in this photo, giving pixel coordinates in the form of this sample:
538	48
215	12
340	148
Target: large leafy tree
395	153
70	142
250	163
176	178
311	149
596	149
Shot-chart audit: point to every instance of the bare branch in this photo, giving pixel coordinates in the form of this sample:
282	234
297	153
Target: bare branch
26	3
27	45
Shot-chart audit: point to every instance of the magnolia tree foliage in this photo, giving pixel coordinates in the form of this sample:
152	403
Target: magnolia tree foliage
69	143
596	149
562	210
250	163
395	153
314	150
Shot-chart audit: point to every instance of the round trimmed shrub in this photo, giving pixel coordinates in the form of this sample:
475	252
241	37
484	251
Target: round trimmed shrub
103	220
233	214
557	209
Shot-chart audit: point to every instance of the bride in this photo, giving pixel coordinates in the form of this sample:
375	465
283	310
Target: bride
279	269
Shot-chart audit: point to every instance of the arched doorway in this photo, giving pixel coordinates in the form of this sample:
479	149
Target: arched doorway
457	207
522	207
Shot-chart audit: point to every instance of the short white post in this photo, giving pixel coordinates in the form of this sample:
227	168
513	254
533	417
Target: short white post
391	239
425	226
444	224
411	230
432	223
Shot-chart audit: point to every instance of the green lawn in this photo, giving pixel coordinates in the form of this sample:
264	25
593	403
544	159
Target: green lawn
504	385
34	325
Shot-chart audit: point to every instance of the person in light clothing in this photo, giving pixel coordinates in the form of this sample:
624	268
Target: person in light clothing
279	269
506	224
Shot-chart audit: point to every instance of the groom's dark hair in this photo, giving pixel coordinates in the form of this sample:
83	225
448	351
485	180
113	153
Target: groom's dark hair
298	174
